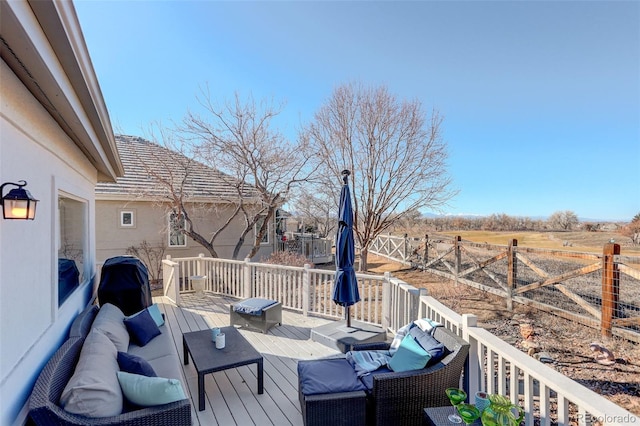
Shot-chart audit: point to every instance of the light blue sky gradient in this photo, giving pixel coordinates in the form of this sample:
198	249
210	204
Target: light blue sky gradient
541	99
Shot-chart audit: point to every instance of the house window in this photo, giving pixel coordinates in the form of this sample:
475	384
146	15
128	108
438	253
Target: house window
258	225
177	237
127	219
72	245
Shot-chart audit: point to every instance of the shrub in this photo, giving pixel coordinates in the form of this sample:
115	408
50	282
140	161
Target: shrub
288	258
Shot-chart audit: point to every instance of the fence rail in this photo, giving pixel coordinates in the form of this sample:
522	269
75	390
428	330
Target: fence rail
597	290
493	366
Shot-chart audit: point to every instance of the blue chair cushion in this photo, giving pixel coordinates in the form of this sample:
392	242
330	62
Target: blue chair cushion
367	380
328	376
253	306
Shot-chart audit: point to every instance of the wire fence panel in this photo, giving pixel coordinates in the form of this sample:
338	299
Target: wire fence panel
598	290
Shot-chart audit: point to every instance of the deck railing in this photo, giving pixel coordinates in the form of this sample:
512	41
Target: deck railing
302	289
548	397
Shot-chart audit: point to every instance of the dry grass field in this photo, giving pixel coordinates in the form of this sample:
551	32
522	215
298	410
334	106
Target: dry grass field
590	242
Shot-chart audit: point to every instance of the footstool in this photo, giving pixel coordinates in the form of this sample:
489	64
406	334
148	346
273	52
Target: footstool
256	313
330	393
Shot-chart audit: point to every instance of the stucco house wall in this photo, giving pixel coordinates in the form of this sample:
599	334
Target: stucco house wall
61	145
150	222
139	195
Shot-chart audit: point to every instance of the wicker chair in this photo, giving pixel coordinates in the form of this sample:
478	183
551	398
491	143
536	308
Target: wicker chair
399	398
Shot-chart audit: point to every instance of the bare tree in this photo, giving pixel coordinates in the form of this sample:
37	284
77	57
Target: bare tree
239	139
393	148
151	255
317	210
564	220
185	187
632	230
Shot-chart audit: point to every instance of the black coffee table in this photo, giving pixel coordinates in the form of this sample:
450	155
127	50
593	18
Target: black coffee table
207	359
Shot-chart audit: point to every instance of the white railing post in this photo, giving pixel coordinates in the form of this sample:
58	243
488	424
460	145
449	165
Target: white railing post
472	366
246	279
199	264
306	293
200	269
170	280
386	301
415	301
422	307
166	275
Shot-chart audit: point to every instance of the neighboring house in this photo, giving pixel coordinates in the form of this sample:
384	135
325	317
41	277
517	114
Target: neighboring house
55	134
136	207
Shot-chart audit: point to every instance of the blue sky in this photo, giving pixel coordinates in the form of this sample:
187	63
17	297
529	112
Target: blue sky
541	99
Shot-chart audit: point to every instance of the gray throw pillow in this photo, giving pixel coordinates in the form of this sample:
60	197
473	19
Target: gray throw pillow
110	320
94	390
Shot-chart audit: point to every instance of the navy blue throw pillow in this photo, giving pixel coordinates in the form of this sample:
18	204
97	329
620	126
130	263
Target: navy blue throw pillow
135	365
429	344
142	328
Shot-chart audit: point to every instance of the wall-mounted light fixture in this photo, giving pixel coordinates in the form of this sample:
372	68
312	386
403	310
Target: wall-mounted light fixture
18	203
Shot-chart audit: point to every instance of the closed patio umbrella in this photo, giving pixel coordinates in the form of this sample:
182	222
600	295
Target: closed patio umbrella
345	290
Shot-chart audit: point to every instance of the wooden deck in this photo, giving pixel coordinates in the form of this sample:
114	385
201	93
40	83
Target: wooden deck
231	395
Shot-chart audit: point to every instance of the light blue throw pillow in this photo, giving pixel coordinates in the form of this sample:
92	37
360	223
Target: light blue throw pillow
409	356
149	391
156	314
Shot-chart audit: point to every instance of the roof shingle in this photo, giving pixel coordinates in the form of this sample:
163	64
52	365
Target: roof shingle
151	169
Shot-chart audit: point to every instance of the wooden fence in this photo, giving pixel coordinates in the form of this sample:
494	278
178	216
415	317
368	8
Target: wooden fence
597	290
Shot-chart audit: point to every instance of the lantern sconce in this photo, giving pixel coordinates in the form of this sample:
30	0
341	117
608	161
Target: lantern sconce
18	203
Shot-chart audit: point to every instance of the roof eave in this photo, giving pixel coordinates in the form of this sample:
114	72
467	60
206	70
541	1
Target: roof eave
45	48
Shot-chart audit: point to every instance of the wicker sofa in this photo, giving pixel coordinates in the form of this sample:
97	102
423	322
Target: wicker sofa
398	398
45	407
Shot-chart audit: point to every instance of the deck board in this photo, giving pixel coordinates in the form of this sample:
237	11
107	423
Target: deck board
231	395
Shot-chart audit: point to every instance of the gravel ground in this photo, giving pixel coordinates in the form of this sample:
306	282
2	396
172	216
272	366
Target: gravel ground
567	343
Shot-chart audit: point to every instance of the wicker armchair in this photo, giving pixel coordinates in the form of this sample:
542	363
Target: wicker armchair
399	398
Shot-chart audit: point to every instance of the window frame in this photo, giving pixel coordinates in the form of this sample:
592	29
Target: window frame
266	239
81	209
170	231
130	212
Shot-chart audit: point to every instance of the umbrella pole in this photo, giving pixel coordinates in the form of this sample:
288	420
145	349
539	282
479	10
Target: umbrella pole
347	315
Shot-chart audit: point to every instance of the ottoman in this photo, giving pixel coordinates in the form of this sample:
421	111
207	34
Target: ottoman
330	393
256	313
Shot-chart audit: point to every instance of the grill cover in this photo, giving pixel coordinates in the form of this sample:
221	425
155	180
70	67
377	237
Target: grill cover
124	282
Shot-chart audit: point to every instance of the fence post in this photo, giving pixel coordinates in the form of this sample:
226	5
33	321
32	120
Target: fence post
425	256
458	255
246	279
306	293
405	249
472	365
512	271
386	301
610	287
388	244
